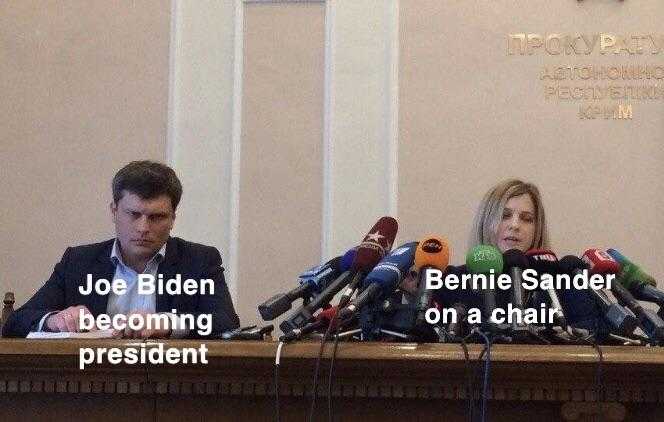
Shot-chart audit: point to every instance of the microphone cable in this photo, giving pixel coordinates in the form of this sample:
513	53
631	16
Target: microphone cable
486	351
312	406
470	391
333	323
337	323
276	381
592	341
329	380
599	387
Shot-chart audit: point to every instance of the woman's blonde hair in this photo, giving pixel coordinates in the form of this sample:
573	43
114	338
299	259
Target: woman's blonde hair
490	213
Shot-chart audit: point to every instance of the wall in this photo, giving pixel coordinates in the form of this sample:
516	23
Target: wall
84	90
294	125
471	114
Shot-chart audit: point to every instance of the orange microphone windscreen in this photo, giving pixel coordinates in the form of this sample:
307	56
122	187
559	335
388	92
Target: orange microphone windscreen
432	251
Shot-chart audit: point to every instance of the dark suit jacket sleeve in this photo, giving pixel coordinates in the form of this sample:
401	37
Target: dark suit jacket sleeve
50	297
219	305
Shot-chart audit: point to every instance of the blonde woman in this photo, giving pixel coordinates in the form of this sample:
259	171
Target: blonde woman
510	216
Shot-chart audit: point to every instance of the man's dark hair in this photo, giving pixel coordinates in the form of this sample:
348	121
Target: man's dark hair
148	180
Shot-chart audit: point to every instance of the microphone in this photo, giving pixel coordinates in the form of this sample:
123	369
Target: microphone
383	279
650	322
640	284
322	320
545	261
312	281
348	258
457	329
305	312
486	259
432	253
617	316
637	273
472	298
514	262
640	289
375	245
599	262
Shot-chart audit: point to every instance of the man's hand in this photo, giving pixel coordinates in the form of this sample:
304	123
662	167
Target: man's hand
161	332
67	320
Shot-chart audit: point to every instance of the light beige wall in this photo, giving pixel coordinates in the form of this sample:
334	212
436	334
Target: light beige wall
70	73
361	116
84	90
280	196
201	120
471	115
216	72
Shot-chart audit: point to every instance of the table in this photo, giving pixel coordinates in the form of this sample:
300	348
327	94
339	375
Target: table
40	379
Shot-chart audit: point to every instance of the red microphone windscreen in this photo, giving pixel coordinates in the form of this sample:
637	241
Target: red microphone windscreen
600	262
327	314
376	244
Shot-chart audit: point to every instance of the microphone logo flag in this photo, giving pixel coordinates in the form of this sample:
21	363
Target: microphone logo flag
375	236
485	254
388	266
376	241
432	246
400	250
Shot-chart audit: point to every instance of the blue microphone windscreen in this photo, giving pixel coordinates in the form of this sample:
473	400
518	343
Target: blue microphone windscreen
620	258
394	267
348	259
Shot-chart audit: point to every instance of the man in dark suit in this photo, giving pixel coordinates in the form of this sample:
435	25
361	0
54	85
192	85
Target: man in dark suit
145	197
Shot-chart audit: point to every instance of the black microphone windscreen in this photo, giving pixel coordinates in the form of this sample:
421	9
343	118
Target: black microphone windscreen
544	266
570	263
514	258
